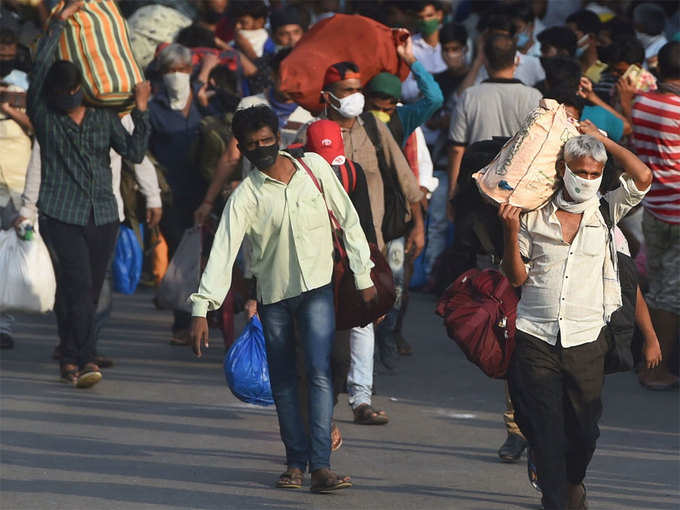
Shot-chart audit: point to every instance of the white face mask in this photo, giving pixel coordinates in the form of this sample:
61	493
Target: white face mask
580	190
178	86
350	106
645	39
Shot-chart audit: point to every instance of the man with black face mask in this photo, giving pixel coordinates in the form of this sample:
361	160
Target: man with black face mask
280	210
79	215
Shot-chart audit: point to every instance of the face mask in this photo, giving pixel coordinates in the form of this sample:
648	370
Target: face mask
350	106
66	102
263	157
582	46
522	39
427	27
645	39
381	116
580	189
178	87
454	59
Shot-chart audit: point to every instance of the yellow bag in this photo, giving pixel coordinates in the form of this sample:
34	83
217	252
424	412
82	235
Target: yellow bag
96	40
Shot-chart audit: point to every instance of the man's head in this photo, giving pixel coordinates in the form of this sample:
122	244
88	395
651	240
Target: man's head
522	18
211	11
496	22
499	51
325	138
224	83
586	26
669	62
557	42
649	19
175	58
573	104
342	89
561	73
287	26
65	92
251	15
429	17
196	36
453	38
625	53
582	167
256	130
383	93
8	51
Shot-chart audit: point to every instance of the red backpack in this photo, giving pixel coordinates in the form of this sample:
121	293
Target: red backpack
479	311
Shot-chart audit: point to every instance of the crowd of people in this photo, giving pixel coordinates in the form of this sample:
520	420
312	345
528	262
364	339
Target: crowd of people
213	140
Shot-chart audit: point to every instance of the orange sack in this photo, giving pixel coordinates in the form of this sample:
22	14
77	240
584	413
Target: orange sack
367	43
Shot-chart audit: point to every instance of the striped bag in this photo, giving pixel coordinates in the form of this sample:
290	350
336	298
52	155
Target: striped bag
96	40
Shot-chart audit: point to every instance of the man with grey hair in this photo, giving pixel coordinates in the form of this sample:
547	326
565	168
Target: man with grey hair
560	256
175	113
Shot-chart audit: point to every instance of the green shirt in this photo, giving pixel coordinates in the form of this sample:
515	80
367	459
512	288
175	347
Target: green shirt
290	246
76	178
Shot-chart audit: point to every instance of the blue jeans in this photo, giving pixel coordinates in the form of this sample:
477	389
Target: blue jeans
438	223
313	316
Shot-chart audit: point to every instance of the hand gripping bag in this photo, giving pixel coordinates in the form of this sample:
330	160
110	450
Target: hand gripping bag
183	274
246	367
479	311
343	37
27	282
96	40
524	173
128	260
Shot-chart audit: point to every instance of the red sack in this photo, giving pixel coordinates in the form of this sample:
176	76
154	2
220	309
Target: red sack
479	311
340	38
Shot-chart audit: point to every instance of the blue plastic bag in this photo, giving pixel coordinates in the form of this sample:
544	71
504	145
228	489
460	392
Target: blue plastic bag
128	260
246	367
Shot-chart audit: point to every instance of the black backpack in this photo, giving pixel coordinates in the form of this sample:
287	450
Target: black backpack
394	224
621	327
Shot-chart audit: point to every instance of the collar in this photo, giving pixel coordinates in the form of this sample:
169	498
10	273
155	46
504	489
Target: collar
590	217
421	43
502	80
259	177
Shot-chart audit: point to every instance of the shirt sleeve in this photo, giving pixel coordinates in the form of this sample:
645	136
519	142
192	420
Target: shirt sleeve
131	146
358	252
624	198
394	157
42	63
145	173
458	128
29	197
216	279
426	177
413	115
524	239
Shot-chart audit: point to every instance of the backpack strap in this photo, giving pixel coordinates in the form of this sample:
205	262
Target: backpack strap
604	211
397	129
371	127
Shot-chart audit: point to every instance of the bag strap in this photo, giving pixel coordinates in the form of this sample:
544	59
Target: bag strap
335	224
604	211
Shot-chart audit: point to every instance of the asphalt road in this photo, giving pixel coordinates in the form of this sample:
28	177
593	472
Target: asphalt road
162	431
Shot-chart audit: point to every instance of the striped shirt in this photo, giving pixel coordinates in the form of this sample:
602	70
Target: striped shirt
656	139
76	177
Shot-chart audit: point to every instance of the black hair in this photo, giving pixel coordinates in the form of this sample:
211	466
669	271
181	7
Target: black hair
561	38
521	9
278	58
669	61
586	21
567	96
255	8
250	120
225	79
289	15
499	51
8	36
627	50
618	27
497	20
62	77
420	6
453	32
562	72
196	36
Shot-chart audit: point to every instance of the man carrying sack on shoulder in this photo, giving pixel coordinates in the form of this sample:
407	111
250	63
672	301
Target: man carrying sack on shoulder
560	256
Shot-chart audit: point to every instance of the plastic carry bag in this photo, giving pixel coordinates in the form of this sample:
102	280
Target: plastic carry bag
246	367
27	282
183	274
127	261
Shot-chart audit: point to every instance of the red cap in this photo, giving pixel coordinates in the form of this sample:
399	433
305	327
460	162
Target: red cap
324	138
341	71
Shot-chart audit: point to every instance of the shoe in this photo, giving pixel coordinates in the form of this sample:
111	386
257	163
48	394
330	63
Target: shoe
6	341
103	362
531	470
512	449
577	497
657	380
89	376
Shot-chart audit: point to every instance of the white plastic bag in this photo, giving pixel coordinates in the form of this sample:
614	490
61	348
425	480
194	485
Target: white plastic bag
27	282
183	274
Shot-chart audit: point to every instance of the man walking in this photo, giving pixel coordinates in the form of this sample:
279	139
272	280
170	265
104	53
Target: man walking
282	213
557	370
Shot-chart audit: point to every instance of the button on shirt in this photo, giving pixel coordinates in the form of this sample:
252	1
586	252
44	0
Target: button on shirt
289	234
565	290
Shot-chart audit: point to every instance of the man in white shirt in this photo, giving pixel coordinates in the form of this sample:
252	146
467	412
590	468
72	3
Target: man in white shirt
561	256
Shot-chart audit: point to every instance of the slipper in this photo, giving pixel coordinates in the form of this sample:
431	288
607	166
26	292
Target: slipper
69	374
366	415
89	376
330	483
291	479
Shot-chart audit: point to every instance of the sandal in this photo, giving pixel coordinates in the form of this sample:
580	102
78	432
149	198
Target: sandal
366	415
336	438
329	482
89	376
291	479
69	374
